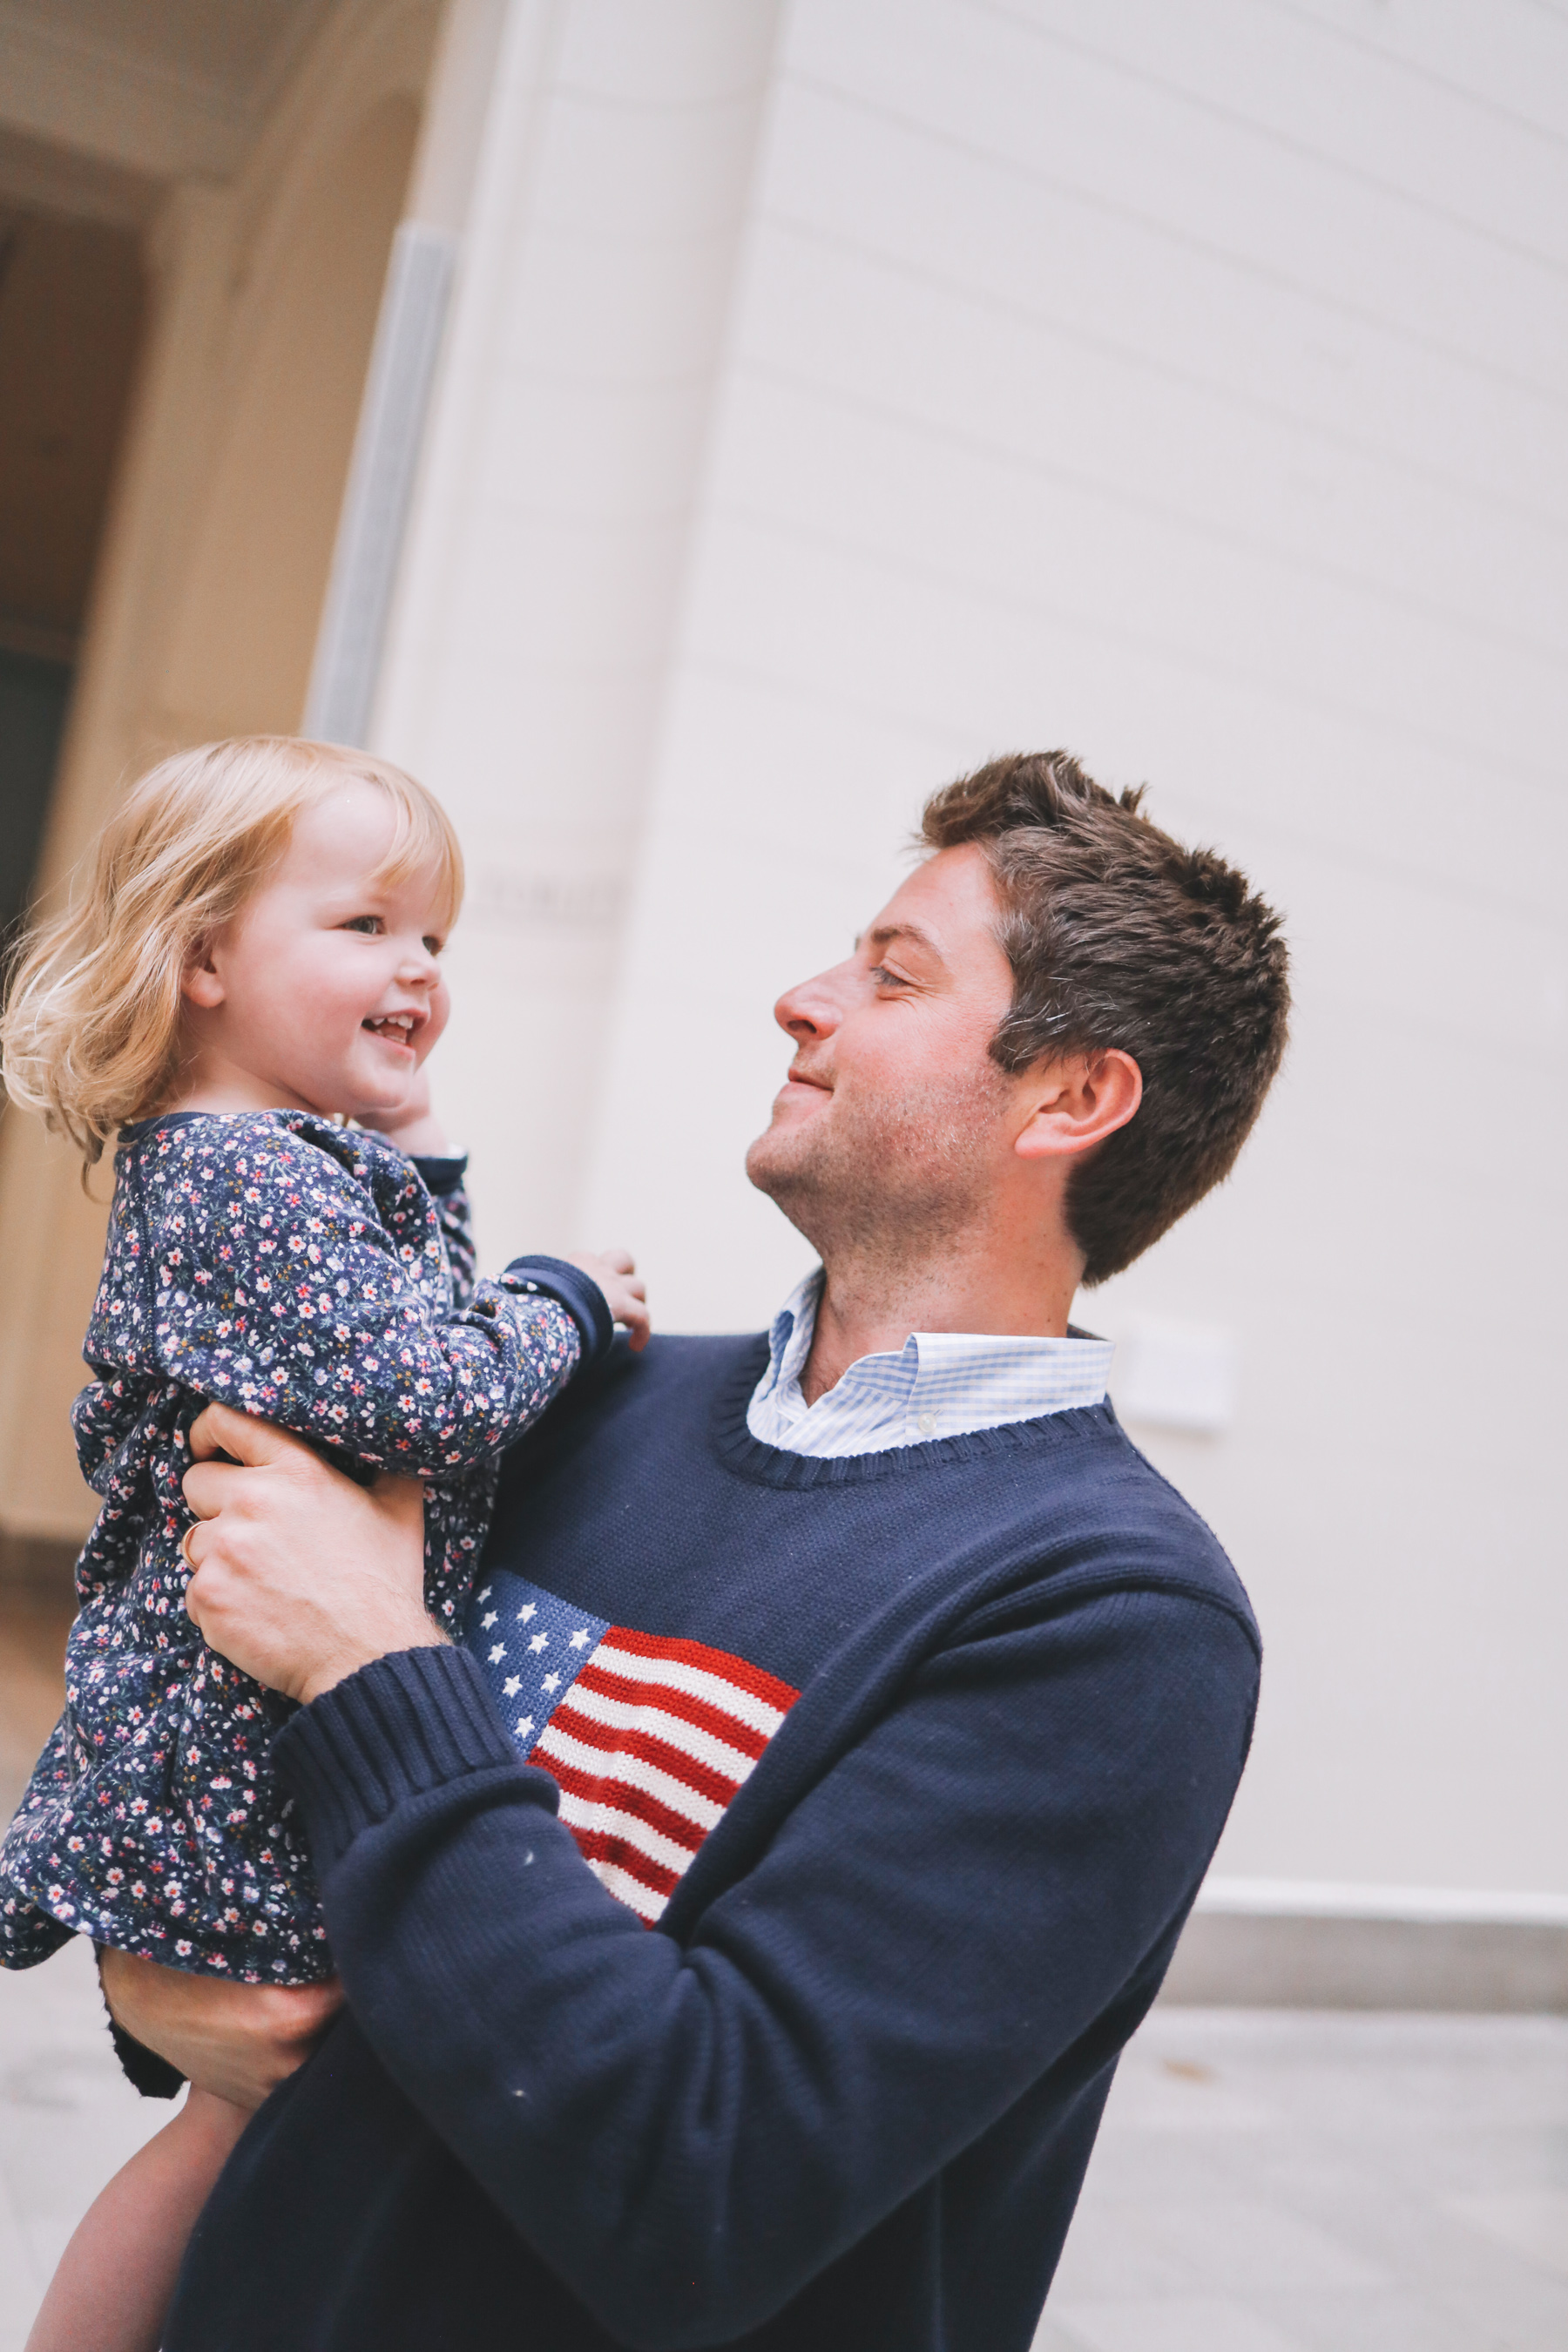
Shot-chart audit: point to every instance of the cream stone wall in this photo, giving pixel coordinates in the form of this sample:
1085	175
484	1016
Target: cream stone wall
838	390
264	287
527	656
841	394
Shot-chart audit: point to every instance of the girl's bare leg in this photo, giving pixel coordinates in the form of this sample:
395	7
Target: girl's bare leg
116	2277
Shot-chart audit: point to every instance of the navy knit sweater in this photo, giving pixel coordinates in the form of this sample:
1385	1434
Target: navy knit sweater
841	2098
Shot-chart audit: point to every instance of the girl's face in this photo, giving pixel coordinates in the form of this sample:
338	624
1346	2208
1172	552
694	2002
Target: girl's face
325	994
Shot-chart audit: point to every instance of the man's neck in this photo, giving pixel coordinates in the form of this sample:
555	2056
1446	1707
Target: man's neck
870	1309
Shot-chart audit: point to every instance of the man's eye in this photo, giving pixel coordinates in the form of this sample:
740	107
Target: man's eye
883	977
370	925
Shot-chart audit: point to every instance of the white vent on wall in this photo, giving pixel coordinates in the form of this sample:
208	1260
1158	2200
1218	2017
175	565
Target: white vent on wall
1176	1376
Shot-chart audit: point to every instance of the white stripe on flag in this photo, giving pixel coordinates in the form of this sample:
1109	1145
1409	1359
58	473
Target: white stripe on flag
677	1675
630	1828
624	1715
631	1891
634	1770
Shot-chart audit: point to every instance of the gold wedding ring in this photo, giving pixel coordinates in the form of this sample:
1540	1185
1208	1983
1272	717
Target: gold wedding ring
185	1545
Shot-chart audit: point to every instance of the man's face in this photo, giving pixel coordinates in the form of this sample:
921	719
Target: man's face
892	1126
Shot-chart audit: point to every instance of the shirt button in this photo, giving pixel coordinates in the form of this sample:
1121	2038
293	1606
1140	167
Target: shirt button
926	1423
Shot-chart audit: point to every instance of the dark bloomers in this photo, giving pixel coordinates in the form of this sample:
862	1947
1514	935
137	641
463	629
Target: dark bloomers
305	1273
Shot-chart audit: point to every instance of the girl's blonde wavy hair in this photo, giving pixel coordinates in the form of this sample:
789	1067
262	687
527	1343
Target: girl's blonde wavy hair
90	1036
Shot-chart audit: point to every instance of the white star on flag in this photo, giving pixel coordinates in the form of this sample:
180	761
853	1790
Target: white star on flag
511	1685
487	1621
485	1594
579	1641
539	1642
551	1682
526	1611
498	1654
524	1726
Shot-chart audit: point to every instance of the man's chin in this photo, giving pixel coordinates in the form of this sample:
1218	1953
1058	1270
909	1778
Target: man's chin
777	1165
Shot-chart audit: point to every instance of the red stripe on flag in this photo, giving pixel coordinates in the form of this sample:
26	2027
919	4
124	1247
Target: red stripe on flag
728	1668
610	1741
700	1712
623	1797
603	1845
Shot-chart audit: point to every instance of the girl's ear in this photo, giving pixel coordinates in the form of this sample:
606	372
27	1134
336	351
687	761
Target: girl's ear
199	983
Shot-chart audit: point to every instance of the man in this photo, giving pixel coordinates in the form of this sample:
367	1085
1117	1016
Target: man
866	1663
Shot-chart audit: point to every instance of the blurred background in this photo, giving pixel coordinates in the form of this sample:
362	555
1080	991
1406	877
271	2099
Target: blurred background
684	432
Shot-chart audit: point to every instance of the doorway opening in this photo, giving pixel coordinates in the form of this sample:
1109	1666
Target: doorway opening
71	303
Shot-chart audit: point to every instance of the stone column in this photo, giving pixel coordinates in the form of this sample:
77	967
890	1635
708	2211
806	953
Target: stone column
527	655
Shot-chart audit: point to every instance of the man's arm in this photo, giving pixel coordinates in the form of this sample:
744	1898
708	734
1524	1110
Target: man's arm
689	2135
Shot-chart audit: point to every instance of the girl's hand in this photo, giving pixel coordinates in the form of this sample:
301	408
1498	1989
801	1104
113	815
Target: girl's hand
413	1126
615	1272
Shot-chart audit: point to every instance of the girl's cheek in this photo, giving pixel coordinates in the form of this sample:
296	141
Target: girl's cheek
440	1012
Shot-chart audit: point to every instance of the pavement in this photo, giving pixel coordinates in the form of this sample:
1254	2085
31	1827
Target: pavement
68	2120
1278	2180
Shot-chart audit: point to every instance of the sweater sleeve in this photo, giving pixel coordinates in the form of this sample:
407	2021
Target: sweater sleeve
285	1297
689	2135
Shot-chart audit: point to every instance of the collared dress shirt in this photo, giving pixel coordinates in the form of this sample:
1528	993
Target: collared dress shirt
938	1384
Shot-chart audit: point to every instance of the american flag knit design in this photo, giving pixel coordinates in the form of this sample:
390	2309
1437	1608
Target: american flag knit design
648	1737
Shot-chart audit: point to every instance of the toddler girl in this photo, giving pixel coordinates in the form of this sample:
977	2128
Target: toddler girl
254	960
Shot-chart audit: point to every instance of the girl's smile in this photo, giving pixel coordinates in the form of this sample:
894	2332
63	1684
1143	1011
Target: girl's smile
327	994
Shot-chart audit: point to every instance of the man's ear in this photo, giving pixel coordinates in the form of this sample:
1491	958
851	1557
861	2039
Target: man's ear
200	982
1077	1103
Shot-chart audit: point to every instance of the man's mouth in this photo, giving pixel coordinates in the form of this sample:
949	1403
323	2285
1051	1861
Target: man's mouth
397	1028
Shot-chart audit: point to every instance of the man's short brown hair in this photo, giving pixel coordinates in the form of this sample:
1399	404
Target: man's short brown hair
1118	936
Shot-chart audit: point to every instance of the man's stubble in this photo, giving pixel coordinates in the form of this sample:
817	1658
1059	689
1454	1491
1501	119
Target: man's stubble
886	1182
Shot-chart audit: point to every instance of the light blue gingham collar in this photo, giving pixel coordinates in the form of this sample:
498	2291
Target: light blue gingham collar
938	1384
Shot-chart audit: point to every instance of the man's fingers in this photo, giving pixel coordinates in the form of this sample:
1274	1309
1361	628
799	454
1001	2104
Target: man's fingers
301	2013
208	1485
220	1430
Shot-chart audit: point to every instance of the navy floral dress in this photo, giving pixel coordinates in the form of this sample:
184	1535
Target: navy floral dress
306	1273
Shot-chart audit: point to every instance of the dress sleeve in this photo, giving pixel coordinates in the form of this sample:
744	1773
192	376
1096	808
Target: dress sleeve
445	1181
280	1292
975	1900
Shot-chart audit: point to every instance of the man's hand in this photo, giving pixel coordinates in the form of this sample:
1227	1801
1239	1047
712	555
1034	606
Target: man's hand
302	1576
614	1271
239	2041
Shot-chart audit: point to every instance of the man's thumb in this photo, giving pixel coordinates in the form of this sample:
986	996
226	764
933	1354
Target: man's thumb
218	1429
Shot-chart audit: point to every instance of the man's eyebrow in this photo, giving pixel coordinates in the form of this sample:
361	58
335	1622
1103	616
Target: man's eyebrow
886	932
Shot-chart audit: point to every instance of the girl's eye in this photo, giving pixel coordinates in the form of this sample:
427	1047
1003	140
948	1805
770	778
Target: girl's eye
372	925
432	946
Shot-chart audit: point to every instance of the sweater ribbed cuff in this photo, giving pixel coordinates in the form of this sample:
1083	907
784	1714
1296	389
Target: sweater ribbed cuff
402	1726
571	1288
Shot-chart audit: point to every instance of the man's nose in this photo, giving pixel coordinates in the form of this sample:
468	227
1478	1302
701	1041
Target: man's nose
812	1008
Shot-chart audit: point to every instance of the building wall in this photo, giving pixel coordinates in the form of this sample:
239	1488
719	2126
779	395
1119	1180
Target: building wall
1181	386
264	290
